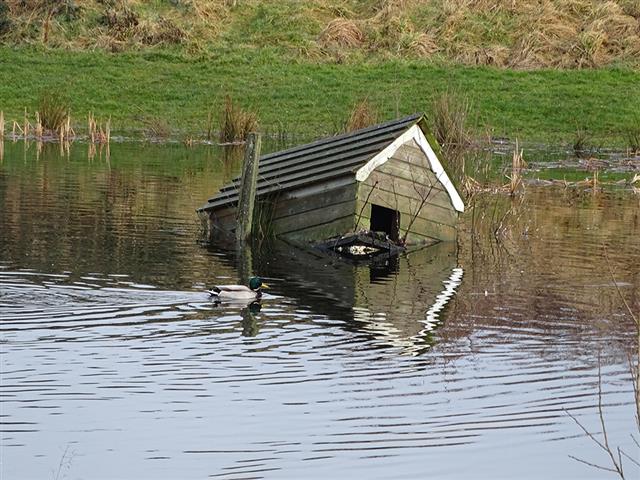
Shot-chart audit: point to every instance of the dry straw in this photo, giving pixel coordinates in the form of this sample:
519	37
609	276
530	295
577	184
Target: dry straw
98	133
341	32
39	129
517	165
363	114
25	129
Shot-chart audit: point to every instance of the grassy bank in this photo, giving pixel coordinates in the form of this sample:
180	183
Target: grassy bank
520	34
139	88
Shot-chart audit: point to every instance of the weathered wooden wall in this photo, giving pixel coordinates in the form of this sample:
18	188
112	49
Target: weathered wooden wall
319	211
314	212
401	184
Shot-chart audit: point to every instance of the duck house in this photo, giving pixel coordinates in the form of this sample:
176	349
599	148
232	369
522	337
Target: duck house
385	178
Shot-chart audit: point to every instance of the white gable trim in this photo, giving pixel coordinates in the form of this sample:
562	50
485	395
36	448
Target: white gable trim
414	133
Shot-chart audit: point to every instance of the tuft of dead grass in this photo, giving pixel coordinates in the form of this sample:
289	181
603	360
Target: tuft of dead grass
236	122
156	128
341	32
449	115
363	114
423	45
53	111
164	30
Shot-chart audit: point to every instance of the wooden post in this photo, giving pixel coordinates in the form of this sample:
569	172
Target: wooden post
244	263
244	215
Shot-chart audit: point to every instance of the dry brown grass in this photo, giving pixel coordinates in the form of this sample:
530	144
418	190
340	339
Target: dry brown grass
423	45
572	34
522	34
98	132
363	114
517	34
341	32
114	25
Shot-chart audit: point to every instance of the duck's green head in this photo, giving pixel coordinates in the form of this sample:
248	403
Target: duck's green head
256	283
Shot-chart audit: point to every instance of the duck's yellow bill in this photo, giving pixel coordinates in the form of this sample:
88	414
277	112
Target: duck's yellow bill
264	285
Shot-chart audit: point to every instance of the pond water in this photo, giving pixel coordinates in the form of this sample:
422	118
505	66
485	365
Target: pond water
458	361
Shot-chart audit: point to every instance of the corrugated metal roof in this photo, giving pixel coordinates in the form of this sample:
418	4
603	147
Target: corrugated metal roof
318	161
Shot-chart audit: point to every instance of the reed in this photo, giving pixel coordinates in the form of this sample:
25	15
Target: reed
209	125
39	128
15	128
98	133
25	129
1	125
91	127
517	164
236	122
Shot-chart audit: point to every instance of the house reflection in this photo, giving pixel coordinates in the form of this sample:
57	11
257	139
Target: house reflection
395	300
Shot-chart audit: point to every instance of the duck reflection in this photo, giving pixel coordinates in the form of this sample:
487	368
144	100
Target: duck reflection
397	300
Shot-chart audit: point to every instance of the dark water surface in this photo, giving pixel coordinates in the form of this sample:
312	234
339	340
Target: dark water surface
458	361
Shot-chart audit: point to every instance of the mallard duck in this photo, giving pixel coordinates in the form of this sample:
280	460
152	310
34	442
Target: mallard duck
239	292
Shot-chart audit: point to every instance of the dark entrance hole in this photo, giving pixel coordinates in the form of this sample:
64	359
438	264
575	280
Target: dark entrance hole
385	220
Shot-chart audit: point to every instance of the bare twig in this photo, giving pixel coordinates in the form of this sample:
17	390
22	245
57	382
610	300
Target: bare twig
635	372
365	204
63	459
587	432
615	284
423	199
617	464
592	464
625	454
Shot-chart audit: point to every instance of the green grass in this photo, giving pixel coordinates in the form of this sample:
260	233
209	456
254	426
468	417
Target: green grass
311	99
